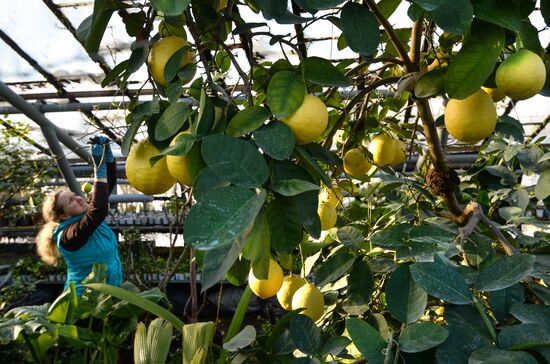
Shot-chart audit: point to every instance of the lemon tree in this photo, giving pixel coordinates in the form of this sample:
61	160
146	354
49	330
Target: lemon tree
393	263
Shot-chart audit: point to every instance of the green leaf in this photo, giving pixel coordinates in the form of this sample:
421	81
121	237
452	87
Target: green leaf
531	314
431	83
247	120
319	4
474	62
114	73
196	339
542	189
545	11
206	117
138	56
421	337
454	16
500	12
171	120
275	139
284	223
305	334
170	7
219	260
221	216
90	31
367	340
322	72
257	247
510	212
529	35
406	300
502	300
510	127
430	234
278	10
491	355
351	237
442	280
63	308
391	238
334	345
360	283
388	7
360	28
333	268
285	93
139	301
308	160
207	181
234	160
183	145
505	272
523	336
292	187
429	5
241	340
508	177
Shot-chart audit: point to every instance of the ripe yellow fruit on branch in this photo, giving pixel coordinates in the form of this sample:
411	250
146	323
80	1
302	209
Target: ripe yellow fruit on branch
495	93
309	121
522	75
151	180
356	163
382	147
185	168
332	196
160	54
327	214
291	283
266	288
309	297
400	153
471	119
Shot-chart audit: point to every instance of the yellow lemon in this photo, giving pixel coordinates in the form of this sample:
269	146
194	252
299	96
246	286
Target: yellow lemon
382	148
266	288
522	75
161	52
471	119
400	156
331	195
150	180
495	93
327	214
309	297
355	163
309	121
290	284
185	168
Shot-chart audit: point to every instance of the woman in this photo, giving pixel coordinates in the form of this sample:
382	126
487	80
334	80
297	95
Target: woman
75	229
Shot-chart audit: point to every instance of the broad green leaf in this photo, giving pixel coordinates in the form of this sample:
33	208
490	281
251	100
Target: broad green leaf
492	355
442	280
64	306
322	72
545	11
507	177
257	247
183	145
221	216
91	29
311	164
467	333
114	73
531	314
238	316
542	189
219	260
367	340
510	127
391	238
247	120
140	50
529	35
429	4
474	62
388	7
234	160
275	139
406	300
431	83
285	228
500	12
172	66
171	120
139	301
206	117
196	339
292	187
241	340
170	7
523	336
278	10
421	337
207	181
510	212
528	159
305	334
454	16
360	283
360	28
502	300
351	237
318	4
285	93
333	268
505	272
334	345
430	234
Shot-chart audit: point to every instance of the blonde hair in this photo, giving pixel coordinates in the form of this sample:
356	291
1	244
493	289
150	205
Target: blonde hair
45	246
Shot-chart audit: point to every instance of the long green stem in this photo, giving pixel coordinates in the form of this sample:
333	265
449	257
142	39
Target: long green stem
32	348
483	314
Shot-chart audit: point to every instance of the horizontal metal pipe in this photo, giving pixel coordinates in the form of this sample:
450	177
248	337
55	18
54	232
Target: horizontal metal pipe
71	106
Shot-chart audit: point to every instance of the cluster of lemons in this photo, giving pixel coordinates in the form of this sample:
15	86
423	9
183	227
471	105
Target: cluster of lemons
293	291
520	76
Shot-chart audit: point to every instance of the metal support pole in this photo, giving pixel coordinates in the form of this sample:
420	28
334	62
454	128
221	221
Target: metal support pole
62	162
31	112
71	106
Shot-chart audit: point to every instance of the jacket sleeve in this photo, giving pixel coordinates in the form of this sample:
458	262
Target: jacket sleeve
76	235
